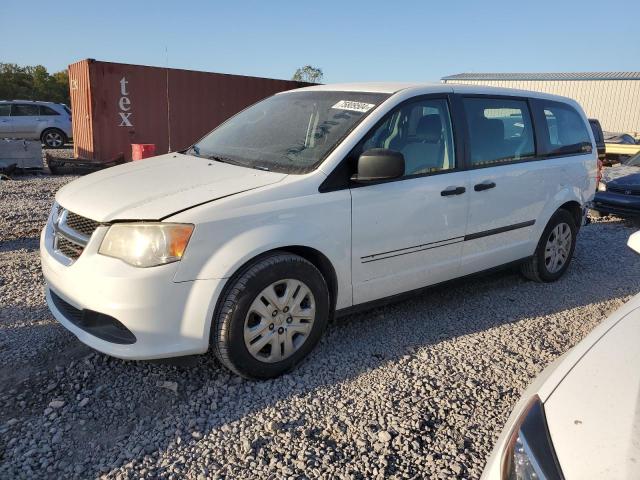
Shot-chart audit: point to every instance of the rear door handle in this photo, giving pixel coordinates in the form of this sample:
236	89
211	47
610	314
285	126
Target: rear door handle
484	186
453	191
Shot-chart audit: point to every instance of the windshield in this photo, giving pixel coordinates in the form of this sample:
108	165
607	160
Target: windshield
290	132
633	161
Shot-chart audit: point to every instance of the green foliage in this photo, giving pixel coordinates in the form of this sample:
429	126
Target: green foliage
33	83
308	74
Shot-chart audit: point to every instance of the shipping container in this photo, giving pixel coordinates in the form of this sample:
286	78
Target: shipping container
116	105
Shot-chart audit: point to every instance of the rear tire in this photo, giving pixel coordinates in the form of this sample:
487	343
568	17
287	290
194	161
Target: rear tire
270	316
555	249
53	138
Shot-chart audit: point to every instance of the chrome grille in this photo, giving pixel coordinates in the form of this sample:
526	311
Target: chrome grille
80	224
71	234
68	248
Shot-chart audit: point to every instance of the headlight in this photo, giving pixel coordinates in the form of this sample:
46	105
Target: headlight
146	244
602	187
529	454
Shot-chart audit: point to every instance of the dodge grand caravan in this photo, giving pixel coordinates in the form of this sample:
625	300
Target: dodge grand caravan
310	203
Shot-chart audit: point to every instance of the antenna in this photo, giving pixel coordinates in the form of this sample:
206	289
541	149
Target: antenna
166	53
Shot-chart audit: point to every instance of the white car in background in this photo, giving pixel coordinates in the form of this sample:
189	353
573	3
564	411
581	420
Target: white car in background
580	419
314	201
32	120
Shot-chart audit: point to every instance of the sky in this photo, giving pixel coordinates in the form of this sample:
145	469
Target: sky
349	40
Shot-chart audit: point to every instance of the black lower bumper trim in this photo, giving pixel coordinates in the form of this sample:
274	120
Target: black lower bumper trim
98	324
608	208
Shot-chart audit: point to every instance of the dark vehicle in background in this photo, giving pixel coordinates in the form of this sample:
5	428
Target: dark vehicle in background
624	138
598	135
618	191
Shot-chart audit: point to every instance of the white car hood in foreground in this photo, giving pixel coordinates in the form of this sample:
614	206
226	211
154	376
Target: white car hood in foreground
594	413
157	187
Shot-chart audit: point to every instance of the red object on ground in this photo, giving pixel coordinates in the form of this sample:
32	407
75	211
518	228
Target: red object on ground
116	105
142	150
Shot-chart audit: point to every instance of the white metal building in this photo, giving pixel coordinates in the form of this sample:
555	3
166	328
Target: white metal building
611	97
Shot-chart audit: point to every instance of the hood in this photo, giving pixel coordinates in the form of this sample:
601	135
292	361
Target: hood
155	188
594	413
622	175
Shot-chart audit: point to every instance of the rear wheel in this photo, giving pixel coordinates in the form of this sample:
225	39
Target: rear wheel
271	316
555	249
53	138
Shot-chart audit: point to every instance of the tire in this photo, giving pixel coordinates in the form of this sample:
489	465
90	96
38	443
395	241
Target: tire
53	138
241	321
541	267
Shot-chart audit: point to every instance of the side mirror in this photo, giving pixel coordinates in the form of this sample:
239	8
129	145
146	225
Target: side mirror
634	242
379	164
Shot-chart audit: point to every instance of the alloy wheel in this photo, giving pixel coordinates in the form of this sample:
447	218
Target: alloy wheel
53	139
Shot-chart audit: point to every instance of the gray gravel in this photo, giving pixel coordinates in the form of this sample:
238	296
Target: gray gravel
416	389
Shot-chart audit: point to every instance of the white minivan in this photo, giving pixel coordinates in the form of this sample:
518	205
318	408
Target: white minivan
311	203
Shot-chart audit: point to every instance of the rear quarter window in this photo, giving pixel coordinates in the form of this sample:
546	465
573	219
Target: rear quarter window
566	132
47	111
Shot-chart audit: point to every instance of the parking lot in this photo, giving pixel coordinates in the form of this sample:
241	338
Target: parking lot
419	388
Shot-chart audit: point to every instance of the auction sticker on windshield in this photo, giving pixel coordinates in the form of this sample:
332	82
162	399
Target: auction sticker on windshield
353	106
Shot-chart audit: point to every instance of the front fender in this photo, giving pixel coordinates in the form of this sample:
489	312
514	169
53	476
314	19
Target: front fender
219	247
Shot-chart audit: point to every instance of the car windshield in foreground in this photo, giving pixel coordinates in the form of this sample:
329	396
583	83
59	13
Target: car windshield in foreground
290	132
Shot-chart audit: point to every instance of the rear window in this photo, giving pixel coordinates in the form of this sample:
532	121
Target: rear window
5	110
567	131
500	130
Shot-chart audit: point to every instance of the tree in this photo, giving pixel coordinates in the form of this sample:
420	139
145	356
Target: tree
308	74
33	83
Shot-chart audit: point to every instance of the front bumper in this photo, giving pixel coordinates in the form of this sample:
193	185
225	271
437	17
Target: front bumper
167	318
616	204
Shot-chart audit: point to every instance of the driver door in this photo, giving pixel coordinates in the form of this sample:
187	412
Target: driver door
407	233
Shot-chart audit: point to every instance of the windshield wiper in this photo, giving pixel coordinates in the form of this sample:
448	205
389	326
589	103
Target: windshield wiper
221	159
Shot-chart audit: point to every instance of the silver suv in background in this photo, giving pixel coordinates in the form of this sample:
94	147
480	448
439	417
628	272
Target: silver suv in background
50	122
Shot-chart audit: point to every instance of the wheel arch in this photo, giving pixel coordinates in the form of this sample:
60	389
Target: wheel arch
575	209
569	199
48	129
312	255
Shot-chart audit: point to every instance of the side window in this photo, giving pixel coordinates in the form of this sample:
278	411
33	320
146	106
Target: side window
47	111
22	110
422	132
500	130
5	110
567	131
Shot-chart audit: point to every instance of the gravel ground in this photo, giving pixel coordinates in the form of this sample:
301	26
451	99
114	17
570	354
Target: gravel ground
416	389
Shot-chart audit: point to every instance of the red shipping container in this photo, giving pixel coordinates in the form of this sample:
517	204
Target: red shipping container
142	150
116	105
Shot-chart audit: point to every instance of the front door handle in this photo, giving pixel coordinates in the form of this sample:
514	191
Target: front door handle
484	186
453	191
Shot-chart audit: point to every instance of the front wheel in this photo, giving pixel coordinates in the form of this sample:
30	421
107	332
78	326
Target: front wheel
555	249
271	316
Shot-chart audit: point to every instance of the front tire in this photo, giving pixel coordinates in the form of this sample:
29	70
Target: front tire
555	249
271	316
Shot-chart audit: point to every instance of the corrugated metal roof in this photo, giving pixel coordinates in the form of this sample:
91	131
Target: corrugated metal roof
546	76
